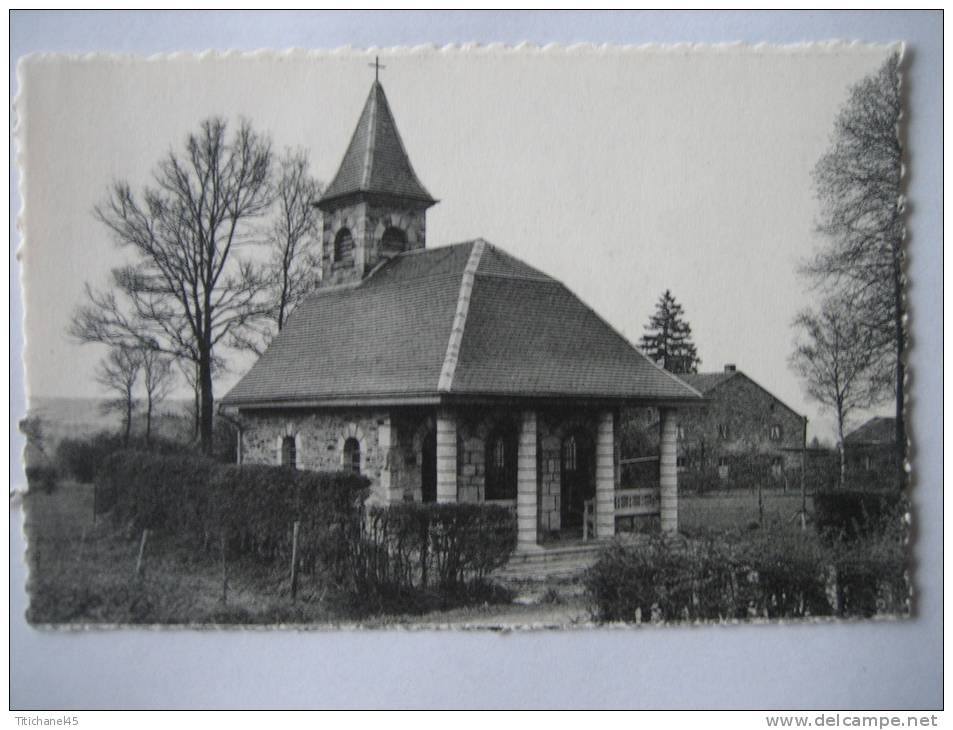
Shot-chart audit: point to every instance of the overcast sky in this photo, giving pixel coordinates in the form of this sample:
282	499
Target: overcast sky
620	173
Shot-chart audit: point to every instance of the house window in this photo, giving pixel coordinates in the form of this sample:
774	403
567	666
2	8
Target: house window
722	430
723	466
680	432
344	246
352	456
501	465
569	454
777	466
289	452
681	462
775	432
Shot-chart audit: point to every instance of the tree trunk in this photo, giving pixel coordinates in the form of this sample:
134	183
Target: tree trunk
207	401
148	416
128	424
840	448
196	406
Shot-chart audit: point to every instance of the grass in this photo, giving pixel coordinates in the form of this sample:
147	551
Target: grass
84	572
724	511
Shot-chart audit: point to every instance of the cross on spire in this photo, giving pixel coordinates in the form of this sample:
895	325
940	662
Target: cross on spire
377	66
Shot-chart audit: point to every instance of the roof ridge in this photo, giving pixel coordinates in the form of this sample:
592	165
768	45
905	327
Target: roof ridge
452	356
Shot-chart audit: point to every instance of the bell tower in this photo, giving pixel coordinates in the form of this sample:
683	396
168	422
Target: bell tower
375	207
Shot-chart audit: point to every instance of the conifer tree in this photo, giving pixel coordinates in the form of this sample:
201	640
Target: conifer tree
668	337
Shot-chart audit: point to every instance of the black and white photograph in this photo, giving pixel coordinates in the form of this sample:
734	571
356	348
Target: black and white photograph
467	338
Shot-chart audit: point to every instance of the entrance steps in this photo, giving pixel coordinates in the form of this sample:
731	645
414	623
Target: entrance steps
563	563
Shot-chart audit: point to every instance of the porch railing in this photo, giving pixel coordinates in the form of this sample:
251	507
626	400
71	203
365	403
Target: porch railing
637	502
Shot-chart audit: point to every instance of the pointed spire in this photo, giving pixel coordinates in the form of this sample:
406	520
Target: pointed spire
376	161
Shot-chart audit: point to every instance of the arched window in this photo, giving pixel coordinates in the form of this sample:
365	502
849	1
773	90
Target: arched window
393	241
344	246
352	455
501	464
289	452
775	433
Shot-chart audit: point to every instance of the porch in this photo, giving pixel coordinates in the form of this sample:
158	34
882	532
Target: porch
558	490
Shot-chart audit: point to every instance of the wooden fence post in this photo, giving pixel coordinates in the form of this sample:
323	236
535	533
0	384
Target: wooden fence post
142	550
294	560
224	570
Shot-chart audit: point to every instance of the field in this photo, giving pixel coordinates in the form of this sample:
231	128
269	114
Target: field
724	511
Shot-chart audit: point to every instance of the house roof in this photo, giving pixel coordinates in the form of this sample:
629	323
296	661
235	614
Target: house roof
375	160
461	320
878	430
705	383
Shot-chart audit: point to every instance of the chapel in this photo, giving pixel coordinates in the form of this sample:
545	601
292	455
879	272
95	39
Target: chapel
454	373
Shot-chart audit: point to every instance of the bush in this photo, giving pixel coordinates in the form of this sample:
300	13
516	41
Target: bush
775	576
388	558
42	478
249	509
871	573
82	458
451	546
852	514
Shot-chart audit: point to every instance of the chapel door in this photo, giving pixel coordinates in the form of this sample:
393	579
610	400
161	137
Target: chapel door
578	482
428	468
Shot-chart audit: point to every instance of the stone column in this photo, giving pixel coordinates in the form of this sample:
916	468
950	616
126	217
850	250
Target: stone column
668	470
526	501
605	476
446	457
385	442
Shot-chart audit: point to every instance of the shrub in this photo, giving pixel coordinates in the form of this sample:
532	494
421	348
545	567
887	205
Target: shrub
42	478
871	573
81	458
853	514
778	575
451	546
390	557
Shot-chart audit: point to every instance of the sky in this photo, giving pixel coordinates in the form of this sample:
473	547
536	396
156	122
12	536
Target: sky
620	172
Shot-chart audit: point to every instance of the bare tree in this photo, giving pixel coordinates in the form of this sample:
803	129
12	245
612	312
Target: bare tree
838	362
293	264
188	290
858	185
118	373
157	381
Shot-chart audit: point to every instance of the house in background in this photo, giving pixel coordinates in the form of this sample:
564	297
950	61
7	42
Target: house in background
870	453
740	418
451	374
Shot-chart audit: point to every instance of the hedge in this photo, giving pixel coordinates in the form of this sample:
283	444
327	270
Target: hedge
449	546
854	513
249	511
786	574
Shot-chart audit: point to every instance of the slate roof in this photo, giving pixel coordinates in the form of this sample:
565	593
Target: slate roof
878	430
375	160
392	337
705	382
